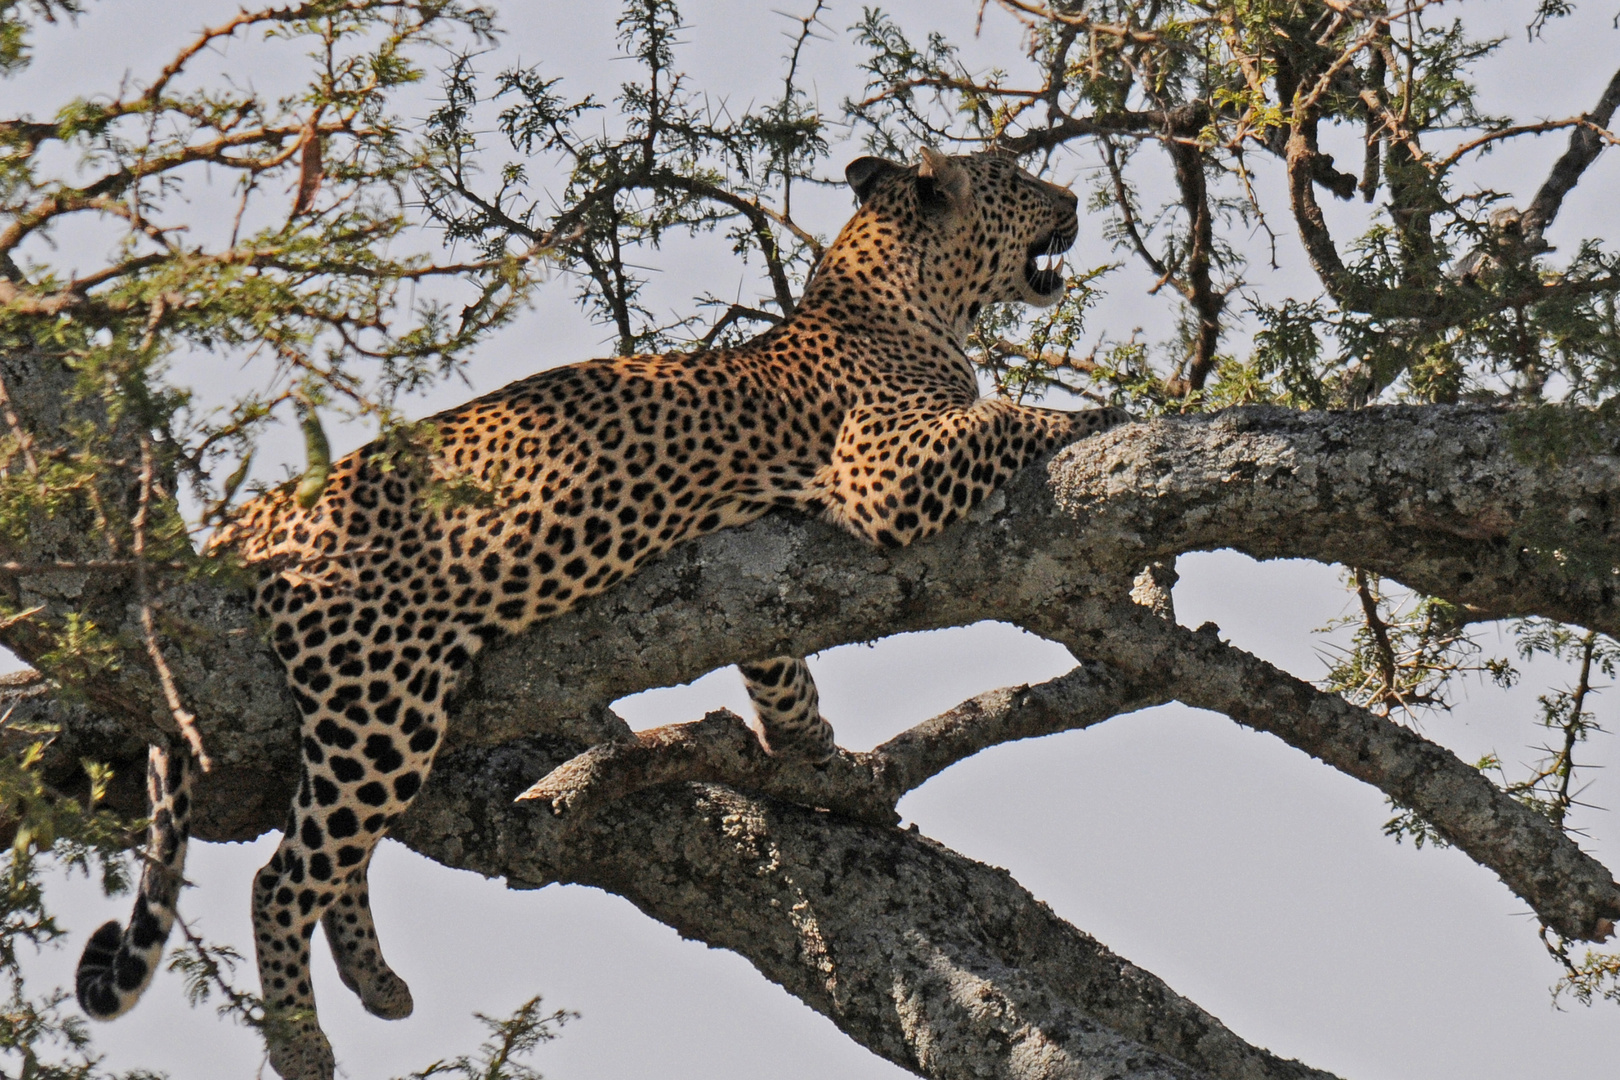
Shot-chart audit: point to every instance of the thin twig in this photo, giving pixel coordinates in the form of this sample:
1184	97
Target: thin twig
734	314
1380	634
25	441
171	694
12	620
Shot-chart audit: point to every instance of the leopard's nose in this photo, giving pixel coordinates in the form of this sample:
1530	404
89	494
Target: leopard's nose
1064	194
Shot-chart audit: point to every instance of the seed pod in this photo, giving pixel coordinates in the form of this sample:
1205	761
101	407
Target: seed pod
319	454
234	481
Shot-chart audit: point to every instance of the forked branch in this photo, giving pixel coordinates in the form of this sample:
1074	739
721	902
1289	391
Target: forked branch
1568	889
865	786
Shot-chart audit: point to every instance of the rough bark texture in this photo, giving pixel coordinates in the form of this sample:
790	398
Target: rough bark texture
1453	501
941	964
864	922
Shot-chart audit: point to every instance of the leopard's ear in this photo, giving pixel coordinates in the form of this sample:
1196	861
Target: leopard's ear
864	173
941	182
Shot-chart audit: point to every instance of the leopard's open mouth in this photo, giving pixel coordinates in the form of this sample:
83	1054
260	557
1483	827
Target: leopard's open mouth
1043	267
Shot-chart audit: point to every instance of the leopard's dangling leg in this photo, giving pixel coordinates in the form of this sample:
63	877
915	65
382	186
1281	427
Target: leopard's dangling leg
299	1049
117	963
352	937
362	769
789	710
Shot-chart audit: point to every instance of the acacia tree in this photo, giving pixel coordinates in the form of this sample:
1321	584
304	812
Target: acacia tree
1433	411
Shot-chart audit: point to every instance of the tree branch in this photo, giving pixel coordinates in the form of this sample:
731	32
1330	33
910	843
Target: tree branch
906	946
935	962
1146	124
1459	502
720	748
1206	302
1585	144
1571	891
1087	695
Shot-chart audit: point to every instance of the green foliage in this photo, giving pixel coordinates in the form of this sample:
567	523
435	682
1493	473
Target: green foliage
47	825
1448	293
80	652
1286	365
1551	787
497	1059
14	15
899	73
312	301
49	1044
1047	353
666	161
1405	652
1595	977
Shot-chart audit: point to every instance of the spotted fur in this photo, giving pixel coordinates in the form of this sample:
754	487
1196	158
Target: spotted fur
862	407
787	707
118	963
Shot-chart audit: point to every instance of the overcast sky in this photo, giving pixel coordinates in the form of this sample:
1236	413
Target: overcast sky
1252	879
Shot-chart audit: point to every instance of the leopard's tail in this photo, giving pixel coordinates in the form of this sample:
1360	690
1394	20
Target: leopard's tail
118	963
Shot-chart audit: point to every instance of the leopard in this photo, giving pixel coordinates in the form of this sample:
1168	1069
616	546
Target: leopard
862	407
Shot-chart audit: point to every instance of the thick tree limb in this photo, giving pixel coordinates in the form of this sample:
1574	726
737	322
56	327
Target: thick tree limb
1432	497
940	964
1457	502
1570	891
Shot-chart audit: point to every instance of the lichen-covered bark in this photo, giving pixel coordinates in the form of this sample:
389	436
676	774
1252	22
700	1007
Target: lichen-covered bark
1464	502
860	920
938	963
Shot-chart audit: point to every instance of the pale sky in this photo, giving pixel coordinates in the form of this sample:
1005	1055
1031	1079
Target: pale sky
1252	879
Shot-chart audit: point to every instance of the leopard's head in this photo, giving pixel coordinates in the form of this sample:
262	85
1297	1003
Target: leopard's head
981	229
